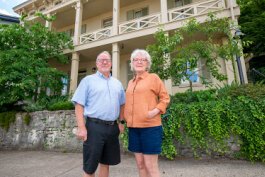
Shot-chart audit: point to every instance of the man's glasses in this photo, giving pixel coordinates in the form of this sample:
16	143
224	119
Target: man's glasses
103	60
139	60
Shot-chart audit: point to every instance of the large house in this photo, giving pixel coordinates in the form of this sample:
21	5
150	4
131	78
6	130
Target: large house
120	26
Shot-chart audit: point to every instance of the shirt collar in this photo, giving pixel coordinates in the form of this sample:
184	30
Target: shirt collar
142	76
102	76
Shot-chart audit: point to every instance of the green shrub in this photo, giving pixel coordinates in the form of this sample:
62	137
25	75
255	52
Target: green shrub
62	105
54	102
190	97
207	125
254	91
32	107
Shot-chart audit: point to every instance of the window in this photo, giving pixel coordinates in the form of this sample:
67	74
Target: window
133	14
107	22
41	9
191	74
70	32
31	13
57	2
129	72
177	3
65	86
81	75
83	29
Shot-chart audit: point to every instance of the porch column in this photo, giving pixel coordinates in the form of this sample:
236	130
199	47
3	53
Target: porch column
164	16
168	82
74	72
116	15
115	60
48	24
229	66
78	21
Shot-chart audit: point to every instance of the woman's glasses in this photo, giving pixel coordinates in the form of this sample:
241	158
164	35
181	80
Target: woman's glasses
139	60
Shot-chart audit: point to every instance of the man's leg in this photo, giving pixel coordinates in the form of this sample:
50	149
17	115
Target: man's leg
87	175
103	170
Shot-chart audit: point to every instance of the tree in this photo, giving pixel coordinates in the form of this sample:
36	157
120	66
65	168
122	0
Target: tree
173	59
25	52
251	20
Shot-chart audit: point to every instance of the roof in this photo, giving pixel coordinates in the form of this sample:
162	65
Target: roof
22	4
9	18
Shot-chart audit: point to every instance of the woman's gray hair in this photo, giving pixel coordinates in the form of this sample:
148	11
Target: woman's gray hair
143	53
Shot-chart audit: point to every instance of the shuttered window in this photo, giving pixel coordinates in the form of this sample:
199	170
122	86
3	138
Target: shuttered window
138	13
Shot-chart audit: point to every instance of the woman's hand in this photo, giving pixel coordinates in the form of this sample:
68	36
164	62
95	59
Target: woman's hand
153	113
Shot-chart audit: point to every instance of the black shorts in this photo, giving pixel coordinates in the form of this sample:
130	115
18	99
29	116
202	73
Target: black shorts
102	146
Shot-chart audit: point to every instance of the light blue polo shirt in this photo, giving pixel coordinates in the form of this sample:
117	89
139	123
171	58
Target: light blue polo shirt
100	96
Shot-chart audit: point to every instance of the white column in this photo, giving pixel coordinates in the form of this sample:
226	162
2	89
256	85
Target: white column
115	60
78	21
74	72
168	82
229	66
116	15
163	5
48	24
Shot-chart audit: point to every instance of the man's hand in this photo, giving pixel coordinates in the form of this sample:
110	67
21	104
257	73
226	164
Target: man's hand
82	133
153	113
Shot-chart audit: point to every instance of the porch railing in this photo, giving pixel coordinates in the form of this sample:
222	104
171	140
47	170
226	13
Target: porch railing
96	35
140	23
195	9
154	19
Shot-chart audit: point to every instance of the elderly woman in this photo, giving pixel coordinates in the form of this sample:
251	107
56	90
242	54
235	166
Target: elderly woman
146	99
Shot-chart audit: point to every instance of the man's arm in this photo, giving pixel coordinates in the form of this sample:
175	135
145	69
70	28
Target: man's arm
121	126
81	130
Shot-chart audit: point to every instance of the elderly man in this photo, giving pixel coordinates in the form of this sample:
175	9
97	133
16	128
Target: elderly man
99	100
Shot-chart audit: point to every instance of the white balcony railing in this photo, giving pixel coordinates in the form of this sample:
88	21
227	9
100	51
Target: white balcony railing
179	13
96	35
195	9
140	23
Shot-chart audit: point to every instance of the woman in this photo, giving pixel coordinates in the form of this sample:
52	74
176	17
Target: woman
146	99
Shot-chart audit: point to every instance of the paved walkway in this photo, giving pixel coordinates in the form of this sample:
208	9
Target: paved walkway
57	164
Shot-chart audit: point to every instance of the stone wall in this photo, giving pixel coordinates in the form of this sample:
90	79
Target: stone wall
53	130
48	130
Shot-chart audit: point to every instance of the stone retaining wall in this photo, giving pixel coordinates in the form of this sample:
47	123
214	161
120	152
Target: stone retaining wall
48	130
53	130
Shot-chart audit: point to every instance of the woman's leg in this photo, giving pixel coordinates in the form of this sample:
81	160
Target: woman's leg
140	164
151	165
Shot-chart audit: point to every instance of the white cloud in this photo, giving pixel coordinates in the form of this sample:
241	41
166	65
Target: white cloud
3	11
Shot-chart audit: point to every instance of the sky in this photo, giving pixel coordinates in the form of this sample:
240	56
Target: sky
6	6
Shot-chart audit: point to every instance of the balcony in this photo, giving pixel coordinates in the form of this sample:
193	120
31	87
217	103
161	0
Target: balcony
140	23
195	9
49	7
175	14
96	35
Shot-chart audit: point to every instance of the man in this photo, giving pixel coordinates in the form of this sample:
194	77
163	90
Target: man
100	99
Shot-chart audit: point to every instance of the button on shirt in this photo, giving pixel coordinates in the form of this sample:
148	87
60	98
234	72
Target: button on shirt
100	96
142	95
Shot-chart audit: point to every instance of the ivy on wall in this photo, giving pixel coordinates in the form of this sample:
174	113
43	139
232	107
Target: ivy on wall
6	118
